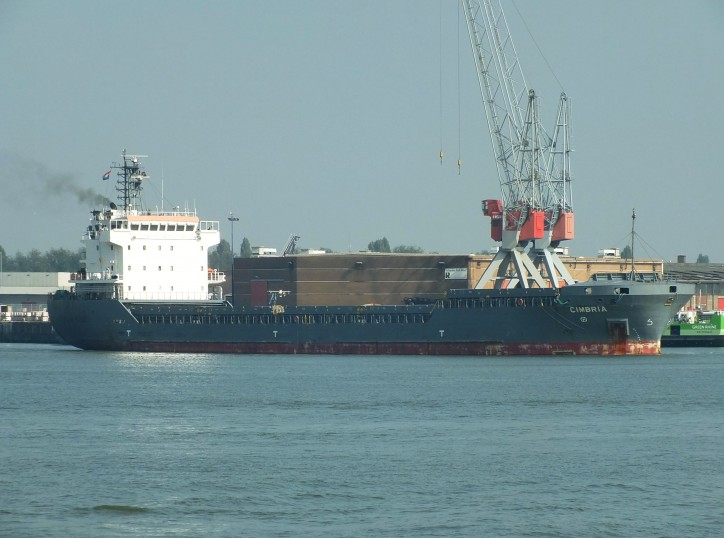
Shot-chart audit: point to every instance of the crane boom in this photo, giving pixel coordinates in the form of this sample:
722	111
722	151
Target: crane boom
503	87
533	168
291	245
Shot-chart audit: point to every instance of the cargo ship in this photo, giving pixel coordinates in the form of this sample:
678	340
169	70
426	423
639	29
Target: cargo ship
695	328
145	285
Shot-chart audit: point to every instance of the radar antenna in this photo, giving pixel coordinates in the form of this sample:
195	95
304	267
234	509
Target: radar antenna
130	181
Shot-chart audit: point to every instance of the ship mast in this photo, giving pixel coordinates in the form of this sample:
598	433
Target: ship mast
633	232
533	168
129	182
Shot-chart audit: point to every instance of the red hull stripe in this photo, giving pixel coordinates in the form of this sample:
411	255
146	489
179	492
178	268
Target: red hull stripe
400	348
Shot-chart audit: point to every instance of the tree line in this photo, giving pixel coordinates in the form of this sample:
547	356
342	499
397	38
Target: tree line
383	245
220	256
53	261
626	254
64	260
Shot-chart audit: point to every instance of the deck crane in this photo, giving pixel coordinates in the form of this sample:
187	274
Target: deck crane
534	214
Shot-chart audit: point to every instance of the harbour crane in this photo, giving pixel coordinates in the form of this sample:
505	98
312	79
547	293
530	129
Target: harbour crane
291	245
534	214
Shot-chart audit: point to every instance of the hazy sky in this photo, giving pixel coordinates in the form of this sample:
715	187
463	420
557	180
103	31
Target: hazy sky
323	118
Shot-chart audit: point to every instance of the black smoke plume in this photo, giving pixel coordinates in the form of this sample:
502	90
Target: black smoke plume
23	176
61	184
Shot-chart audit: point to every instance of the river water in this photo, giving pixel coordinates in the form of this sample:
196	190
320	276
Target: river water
132	444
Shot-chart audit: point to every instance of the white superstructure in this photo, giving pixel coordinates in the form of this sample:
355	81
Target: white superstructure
145	255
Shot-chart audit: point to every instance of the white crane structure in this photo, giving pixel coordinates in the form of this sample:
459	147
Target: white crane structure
291	245
535	211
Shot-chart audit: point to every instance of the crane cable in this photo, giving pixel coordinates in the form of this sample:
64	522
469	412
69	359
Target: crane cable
540	51
442	153
460	162
440	76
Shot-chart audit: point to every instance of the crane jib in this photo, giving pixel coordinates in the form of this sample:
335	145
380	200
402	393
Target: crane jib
533	167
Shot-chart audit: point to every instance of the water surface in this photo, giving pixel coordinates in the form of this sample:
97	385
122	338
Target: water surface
122	444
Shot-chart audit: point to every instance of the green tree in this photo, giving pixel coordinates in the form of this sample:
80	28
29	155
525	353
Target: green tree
626	252
61	259
702	258
379	245
245	249
408	249
55	260
19	262
36	262
220	257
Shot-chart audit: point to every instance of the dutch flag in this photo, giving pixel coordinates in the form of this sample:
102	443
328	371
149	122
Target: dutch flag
107	175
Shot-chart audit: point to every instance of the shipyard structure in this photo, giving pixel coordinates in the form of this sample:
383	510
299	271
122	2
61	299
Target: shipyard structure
366	278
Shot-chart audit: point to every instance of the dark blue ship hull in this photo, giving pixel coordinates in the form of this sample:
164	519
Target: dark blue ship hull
593	318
